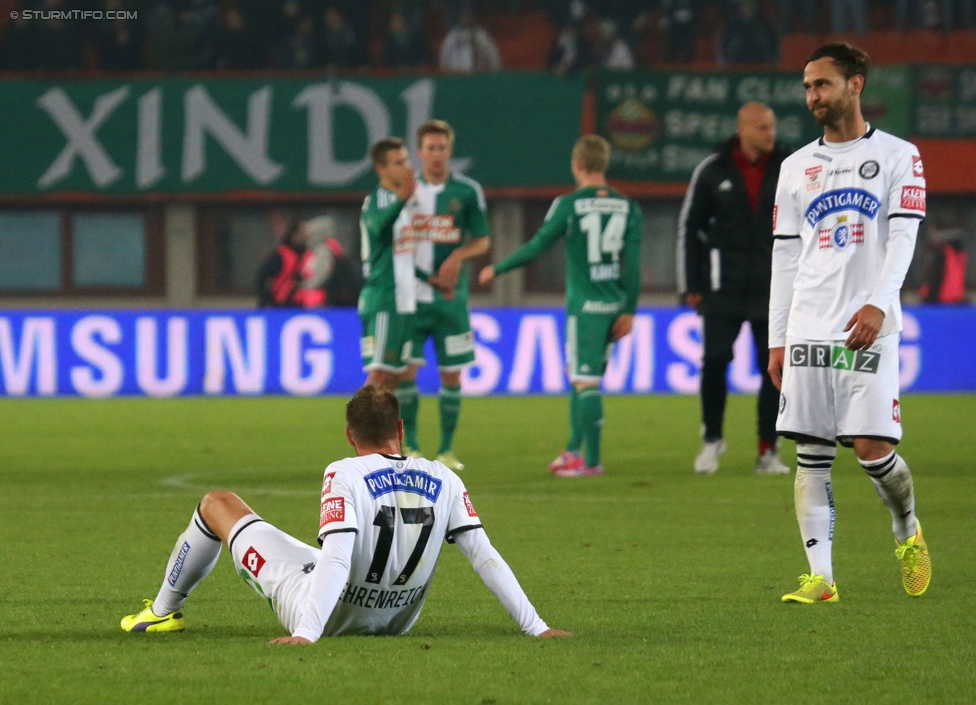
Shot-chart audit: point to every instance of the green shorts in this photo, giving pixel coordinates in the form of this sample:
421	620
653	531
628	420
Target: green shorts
385	344
588	346
449	324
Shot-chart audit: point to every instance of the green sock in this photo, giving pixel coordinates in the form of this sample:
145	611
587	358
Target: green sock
589	406
409	405
449	401
575	437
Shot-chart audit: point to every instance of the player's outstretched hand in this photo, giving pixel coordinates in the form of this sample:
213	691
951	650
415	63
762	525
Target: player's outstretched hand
775	366
555	632
622	326
864	327
290	640
487	274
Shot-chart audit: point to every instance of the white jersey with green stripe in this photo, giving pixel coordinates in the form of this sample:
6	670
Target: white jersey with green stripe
387	246
452	213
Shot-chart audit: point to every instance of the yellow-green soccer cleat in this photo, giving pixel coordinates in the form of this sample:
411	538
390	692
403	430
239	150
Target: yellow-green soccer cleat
916	566
813	589
450	460
146	621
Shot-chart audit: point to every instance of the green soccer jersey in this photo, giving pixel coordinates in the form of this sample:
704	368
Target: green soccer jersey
380	211
603	232
459	213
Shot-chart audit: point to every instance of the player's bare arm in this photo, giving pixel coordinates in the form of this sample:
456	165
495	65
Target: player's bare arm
450	270
692	299
622	326
864	327
775	367
487	275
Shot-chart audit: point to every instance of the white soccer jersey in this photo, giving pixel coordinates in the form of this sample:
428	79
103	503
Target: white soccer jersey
839	198
401	510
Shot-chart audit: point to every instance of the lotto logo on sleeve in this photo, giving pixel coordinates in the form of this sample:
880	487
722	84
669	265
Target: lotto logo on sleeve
253	561
469	506
917	167
333	509
895	411
913	198
775	213
327	484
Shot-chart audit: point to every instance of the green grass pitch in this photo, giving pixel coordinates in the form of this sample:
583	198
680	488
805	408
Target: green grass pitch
669	581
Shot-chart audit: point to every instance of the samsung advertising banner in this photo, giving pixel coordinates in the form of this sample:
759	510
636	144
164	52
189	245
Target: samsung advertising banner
519	351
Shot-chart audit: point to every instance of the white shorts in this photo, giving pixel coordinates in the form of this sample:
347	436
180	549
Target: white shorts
276	565
836	394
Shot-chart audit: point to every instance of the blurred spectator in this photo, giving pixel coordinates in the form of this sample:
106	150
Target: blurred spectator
570	52
404	45
282	276
332	270
678	22
240	47
19	48
945	275
200	24
300	50
856	10
614	52
748	37
468	47
934	14
119	42
807	11
59	41
339	42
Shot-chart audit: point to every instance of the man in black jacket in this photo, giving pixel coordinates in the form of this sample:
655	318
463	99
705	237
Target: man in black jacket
724	259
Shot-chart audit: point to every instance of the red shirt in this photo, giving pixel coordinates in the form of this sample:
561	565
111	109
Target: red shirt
752	172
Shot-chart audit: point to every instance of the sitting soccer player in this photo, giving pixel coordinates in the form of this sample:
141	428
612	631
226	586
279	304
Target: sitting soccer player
383	518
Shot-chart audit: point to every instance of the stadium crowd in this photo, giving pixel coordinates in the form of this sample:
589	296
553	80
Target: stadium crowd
208	35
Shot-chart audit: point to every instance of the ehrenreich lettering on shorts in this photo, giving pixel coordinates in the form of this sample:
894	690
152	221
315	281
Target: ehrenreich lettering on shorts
836	356
388	480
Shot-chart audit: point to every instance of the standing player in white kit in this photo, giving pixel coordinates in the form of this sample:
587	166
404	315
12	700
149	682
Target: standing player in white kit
847	212
382	522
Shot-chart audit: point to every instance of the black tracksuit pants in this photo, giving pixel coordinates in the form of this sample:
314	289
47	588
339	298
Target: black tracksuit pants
720	331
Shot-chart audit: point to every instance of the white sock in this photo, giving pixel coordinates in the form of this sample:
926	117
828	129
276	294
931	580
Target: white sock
193	557
893	480
814	500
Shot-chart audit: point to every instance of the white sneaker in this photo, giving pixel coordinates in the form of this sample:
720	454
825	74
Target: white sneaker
707	461
769	464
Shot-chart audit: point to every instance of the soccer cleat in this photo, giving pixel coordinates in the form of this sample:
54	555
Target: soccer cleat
706	463
579	470
769	464
450	460
916	566
813	589
409	452
146	621
566	459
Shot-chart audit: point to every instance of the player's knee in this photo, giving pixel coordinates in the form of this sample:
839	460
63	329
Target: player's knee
868	449
217	504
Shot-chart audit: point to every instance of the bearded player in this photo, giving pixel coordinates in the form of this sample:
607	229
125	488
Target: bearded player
847	212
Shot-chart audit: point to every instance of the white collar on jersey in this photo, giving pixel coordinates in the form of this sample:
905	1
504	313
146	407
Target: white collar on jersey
850	143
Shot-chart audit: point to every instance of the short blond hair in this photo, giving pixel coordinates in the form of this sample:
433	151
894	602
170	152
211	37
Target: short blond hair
434	127
592	152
